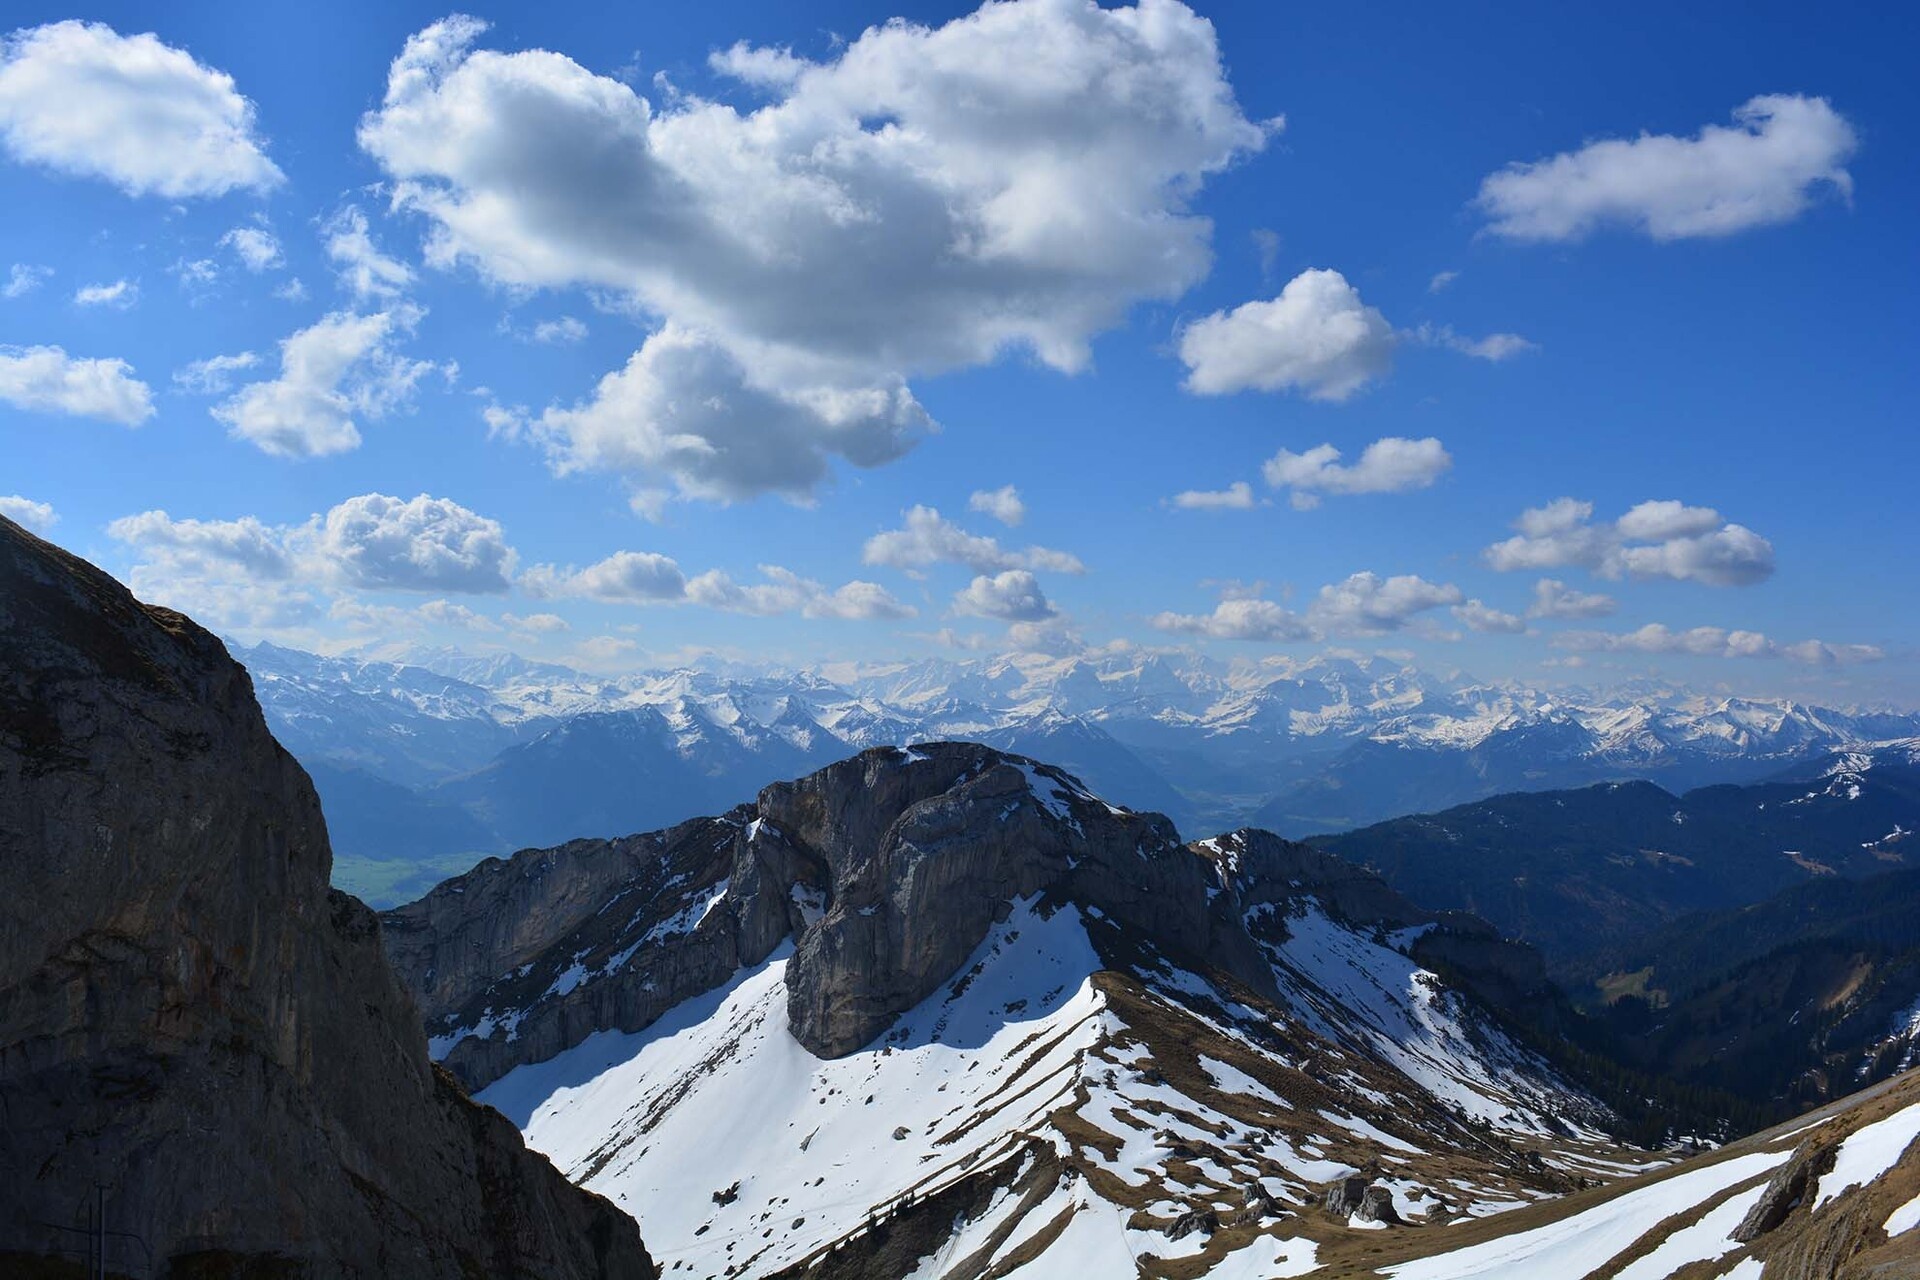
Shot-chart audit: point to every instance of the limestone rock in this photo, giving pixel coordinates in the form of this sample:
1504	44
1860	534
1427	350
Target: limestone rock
189	1015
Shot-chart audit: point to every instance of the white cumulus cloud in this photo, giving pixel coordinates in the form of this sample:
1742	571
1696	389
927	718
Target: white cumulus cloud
1367	604
48	380
37	516
927	538
685	407
924	200
645	577
1765	169
1239	618
1659	539
342	367
1393	464
81	98
1012	596
1316	337
417	544
1003	504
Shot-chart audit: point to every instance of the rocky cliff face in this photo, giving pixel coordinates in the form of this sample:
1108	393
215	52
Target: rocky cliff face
886	870
189	1016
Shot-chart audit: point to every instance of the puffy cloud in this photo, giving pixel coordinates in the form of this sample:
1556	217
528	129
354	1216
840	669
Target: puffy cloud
1316	337
80	98
1662	520
1441	279
1732	556
330	372
213	376
685	407
928	538
23	278
1393	464
925	200
208	549
1240	618
1369	605
48	380
121	295
1661	539
420	544
625	577
254	577
787	592
1237	496
1714	642
1553	598
256	247
37	516
1480	617
361	266
1763	170
1012	596
1365	604
1003	504
643	577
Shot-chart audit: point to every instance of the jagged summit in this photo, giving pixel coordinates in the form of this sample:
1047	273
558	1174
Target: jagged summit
189	1017
951	975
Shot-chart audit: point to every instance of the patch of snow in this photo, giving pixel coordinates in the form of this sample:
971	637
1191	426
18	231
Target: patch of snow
1707	1240
1585	1242
1868	1152
1905	1218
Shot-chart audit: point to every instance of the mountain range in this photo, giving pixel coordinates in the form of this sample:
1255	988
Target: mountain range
423	755
934	1011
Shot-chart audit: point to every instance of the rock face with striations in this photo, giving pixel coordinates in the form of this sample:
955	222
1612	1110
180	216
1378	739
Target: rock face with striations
884	872
189	1016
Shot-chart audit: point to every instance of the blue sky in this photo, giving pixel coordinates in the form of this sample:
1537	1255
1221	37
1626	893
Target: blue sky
863	274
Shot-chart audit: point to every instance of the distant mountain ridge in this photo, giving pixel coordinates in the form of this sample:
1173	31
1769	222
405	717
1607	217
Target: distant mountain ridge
1299	747
1573	871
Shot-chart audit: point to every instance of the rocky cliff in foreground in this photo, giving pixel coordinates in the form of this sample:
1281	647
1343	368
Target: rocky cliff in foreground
189	1017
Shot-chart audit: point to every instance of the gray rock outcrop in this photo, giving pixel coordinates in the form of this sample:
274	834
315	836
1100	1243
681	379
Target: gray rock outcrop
886	870
189	1016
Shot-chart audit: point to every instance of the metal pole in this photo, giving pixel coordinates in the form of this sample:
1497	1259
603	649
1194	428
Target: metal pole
100	1223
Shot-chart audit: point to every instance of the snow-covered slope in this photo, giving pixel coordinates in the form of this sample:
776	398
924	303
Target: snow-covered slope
1833	1195
1136	1047
1098	1114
